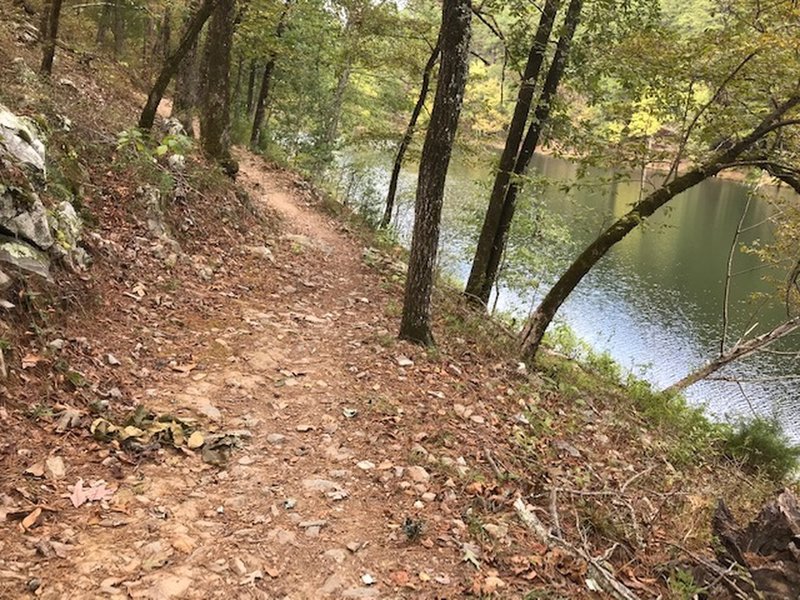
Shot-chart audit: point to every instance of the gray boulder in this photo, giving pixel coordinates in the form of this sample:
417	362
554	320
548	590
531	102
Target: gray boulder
26	258
20	141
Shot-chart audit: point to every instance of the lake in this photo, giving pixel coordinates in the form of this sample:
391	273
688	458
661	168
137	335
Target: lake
654	303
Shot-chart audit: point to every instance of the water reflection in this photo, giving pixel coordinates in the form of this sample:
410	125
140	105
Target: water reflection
655	302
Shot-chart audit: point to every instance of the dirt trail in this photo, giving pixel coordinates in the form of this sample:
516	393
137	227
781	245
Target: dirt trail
313	504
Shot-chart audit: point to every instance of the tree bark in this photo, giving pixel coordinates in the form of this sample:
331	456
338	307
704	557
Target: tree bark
53	14
170	67
404	143
102	24
184	99
545	312
332	131
251	87
476	283
529	144
215	113
266	81
739	350
118	28
436	151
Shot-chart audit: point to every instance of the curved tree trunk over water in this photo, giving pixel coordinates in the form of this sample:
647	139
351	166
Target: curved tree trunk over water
529	144
404	143
477	277
436	151
545	312
51	17
188	39
215	113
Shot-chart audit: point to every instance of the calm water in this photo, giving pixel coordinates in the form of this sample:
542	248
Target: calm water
655	301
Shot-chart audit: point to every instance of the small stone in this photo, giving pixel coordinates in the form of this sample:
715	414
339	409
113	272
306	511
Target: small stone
418	474
246	460
354	546
404	361
239	567
112	360
209	411
276	438
419	504
337	554
368	579
365	465
429	496
477	419
289	503
312	532
57	344
304	427
54	468
498	532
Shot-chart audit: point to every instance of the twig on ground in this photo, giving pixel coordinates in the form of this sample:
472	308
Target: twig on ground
597	571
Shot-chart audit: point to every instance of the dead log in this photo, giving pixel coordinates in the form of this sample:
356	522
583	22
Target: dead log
766	553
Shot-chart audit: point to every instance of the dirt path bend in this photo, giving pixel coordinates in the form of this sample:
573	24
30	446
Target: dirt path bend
314	505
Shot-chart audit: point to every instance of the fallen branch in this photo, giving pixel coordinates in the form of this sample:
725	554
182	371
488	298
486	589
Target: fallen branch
597	571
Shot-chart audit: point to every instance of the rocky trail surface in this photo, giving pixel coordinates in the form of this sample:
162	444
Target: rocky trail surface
328	489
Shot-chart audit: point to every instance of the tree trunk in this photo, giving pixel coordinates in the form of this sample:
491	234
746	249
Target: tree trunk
184	99
251	86
332	131
102	24
436	151
544	313
739	350
529	144
118	29
170	67
404	143
215	113
237	88
266	80
476	283
51	36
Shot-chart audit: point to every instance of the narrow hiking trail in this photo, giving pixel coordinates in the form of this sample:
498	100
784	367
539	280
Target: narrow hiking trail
334	428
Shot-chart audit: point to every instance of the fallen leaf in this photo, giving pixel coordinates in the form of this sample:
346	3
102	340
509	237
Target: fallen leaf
30	360
195	440
31	519
36	469
95	492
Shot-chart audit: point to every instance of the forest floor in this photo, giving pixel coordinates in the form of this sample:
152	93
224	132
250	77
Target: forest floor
231	415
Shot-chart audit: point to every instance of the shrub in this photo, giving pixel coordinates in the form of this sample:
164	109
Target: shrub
762	445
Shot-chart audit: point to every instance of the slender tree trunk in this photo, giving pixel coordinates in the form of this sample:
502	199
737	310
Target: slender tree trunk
171	65
266	81
529	144
476	284
545	312
102	24
184	99
436	151
251	86
404	143
332	131
48	55
215	113
739	350
118	29
237	88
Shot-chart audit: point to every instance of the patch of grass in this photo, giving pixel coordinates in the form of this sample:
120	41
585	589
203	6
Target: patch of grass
682	585
761	445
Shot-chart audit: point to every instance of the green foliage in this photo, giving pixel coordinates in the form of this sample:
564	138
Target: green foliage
131	140
762	445
682	585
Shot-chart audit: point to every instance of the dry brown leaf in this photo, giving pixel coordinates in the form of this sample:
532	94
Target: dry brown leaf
31	519
31	360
